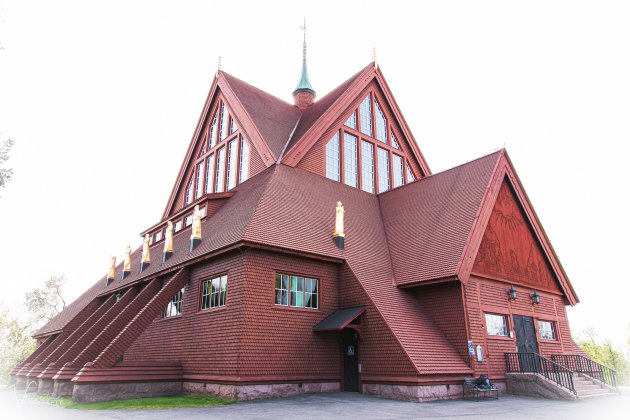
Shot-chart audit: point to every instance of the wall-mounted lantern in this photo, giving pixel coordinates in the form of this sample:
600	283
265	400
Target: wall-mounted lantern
535	298
512	293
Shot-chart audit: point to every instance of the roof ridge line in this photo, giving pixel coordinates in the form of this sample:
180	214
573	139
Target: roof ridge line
284	149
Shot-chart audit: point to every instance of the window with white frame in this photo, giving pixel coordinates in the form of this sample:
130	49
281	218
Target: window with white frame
497	325
352	121
174	307
224	122
220	178
199	179
547	330
399	176
381	124
367	166
333	158
189	192
213	292
383	170
410	177
232	164
210	174
244	164
296	291
350	160
365	111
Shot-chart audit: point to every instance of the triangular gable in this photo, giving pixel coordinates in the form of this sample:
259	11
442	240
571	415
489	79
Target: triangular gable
334	109
221	92
508	242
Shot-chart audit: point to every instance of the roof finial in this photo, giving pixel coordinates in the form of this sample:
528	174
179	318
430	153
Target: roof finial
304	94
218	65
374	57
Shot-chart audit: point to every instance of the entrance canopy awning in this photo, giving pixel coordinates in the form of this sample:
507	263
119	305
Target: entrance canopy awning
339	319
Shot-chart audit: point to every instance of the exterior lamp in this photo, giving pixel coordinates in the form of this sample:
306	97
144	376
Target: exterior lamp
535	298
512	293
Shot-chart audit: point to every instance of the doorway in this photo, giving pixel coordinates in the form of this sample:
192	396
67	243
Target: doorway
350	349
526	343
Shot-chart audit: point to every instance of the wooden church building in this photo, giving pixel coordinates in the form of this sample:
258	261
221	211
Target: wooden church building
307	247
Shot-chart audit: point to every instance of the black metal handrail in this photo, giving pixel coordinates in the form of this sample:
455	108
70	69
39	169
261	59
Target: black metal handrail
535	363
588	367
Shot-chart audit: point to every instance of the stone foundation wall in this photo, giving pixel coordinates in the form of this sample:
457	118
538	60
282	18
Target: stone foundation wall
419	393
536	386
84	393
259	391
63	389
44	387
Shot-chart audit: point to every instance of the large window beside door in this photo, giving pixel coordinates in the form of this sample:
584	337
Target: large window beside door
296	291
497	325
547	330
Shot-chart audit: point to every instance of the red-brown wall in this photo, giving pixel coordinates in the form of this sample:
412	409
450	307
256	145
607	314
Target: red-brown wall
380	354
250	339
488	296
443	302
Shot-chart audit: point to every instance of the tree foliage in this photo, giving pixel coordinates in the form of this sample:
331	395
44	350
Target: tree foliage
5	174
45	303
603	352
16	343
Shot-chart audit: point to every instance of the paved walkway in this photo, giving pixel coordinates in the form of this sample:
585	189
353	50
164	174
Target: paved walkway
339	406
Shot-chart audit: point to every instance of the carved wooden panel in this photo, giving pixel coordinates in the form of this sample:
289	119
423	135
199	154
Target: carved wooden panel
509	249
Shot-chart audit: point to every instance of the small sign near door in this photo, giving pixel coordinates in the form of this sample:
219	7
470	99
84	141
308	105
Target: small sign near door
350	350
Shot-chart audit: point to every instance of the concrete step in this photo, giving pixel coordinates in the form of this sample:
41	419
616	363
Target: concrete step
586	387
598	391
591	396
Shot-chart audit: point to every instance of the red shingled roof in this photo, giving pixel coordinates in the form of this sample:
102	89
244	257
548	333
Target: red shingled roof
315	112
274	118
428	222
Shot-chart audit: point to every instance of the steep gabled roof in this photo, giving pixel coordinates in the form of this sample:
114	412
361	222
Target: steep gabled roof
274	118
325	113
428	222
435	226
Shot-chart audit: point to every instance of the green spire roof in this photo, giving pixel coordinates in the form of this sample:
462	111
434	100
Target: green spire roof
304	85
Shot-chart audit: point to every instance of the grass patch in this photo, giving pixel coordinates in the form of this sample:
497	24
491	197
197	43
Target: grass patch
153	403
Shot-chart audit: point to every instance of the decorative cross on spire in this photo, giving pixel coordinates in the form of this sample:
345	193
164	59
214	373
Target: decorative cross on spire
303	28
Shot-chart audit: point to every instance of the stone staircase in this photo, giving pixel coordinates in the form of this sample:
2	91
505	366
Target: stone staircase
588	388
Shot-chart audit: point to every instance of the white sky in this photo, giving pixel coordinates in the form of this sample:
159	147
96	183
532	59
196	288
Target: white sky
102	98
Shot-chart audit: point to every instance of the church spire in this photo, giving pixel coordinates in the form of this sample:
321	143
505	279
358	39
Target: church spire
304	95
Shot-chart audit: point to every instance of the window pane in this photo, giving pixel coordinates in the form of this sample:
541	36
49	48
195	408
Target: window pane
213	130
210	174
332	158
383	170
367	166
244	165
231	164
350	159
365	111
233	126
394	141
410	177
352	121
546	330
200	174
220	177
278	281
189	192
496	325
224	121
381	124
398	171
223	291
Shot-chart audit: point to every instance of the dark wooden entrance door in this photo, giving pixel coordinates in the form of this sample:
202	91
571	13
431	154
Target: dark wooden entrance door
350	349
526	342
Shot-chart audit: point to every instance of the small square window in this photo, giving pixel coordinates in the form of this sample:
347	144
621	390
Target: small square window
547	330
178	226
497	325
188	220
